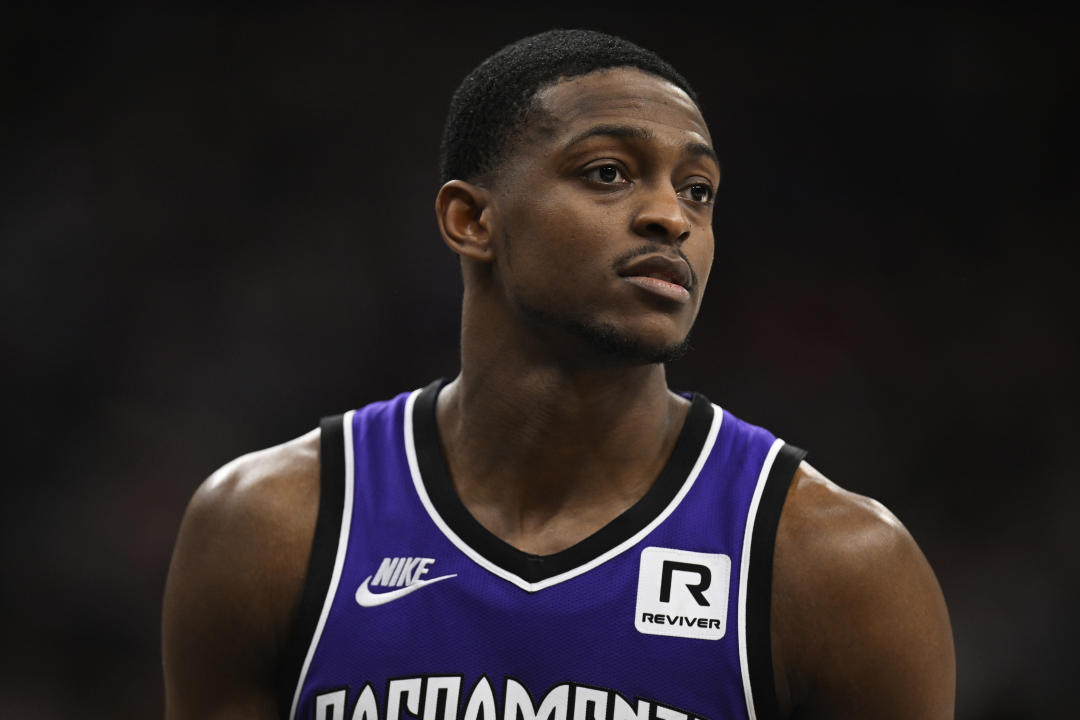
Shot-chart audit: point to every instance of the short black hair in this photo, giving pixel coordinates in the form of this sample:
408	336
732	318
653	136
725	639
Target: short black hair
489	108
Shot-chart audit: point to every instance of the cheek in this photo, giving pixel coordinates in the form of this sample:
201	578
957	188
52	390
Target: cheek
703	254
567	240
705	265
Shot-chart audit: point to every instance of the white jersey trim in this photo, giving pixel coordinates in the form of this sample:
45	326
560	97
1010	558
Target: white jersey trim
339	559
744	568
476	557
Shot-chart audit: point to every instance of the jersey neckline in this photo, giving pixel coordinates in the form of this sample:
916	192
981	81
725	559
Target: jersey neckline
533	572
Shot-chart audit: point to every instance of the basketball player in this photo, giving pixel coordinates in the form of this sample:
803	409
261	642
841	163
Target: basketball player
554	534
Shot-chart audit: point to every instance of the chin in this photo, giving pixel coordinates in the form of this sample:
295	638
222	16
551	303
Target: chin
630	347
634	346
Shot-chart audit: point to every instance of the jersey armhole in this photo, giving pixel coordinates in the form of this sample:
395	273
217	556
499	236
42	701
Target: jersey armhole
320	566
759	582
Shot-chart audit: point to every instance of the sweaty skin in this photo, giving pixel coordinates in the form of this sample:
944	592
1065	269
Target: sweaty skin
556	396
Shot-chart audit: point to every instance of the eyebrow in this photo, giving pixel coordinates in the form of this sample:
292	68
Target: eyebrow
631	132
628	132
697	149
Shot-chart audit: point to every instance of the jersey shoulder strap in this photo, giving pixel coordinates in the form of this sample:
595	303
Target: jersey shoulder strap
320	566
766	518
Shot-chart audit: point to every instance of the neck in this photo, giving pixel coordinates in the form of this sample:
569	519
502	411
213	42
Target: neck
533	429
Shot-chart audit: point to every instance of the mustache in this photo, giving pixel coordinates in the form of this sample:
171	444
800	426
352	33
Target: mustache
650	249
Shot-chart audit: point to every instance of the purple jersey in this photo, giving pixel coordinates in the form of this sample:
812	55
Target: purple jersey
412	609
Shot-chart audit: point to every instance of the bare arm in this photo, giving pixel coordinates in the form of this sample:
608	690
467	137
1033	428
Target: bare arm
235	581
860	627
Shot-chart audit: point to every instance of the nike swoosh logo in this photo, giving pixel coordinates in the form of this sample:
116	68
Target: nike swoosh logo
366	598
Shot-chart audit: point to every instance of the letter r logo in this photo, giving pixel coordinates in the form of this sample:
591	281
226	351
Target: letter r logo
682	593
697	591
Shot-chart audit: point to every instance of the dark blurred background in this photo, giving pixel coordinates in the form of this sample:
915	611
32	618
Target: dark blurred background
216	227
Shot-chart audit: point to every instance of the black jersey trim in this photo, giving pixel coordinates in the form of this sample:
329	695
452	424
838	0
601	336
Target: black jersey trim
759	581
435	476
320	567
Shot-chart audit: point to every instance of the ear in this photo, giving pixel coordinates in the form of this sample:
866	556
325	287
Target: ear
464	213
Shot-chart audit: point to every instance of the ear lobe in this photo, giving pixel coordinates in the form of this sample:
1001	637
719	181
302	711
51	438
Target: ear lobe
464	214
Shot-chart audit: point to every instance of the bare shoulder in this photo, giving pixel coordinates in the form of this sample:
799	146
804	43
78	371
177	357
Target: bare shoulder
859	623
235	580
272	493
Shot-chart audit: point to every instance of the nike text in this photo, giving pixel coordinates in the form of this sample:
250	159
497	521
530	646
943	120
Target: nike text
401	571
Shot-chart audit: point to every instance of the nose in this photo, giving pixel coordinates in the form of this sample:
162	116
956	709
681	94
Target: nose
661	216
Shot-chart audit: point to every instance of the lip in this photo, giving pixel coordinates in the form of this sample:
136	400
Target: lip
668	277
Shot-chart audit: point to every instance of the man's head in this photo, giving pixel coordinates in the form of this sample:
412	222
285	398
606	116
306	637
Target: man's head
491	107
584	220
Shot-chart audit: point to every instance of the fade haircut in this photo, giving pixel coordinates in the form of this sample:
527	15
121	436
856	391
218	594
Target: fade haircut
490	108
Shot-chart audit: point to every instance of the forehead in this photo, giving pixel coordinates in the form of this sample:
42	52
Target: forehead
621	96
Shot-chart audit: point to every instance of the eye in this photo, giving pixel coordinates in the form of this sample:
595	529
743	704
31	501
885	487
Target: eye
700	193
605	174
